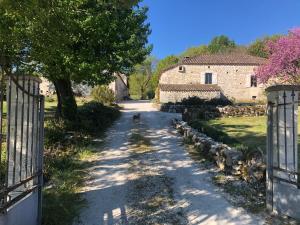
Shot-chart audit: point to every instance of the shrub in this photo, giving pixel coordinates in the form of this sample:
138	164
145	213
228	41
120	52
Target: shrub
50	99
103	95
192	101
219	102
95	117
150	94
196	101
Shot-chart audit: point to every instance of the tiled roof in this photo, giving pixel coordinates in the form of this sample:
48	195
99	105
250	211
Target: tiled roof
189	87
224	59
221	59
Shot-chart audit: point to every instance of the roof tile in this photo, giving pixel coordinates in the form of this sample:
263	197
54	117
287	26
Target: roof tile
224	59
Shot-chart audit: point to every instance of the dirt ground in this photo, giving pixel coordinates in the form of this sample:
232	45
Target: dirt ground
143	175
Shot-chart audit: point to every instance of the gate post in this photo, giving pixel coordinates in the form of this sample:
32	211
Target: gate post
282	194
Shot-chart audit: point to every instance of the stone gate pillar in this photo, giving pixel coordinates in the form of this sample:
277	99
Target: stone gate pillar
283	193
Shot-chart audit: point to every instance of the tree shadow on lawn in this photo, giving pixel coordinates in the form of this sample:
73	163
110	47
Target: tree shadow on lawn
242	135
232	135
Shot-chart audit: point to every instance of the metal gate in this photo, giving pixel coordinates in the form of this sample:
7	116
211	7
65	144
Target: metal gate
283	177
21	152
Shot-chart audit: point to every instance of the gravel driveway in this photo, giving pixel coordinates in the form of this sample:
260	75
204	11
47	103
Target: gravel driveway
143	175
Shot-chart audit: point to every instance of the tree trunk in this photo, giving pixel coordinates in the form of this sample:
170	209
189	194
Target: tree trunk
66	103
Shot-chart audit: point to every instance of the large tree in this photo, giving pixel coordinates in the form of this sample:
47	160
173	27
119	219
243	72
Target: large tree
259	47
221	44
194	51
284	60
82	41
13	39
140	80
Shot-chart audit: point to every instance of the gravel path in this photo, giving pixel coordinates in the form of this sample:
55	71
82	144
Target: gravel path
145	176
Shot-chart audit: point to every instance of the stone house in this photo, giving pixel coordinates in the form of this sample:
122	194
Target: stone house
228	75
119	86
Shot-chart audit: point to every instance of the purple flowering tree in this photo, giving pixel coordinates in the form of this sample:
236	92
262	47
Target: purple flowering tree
284	61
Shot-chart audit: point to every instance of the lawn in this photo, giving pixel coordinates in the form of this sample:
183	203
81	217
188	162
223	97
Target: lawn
250	131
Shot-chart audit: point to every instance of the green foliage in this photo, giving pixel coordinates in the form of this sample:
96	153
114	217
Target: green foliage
140	81
103	94
194	51
95	117
221	44
192	101
81	41
196	101
258	48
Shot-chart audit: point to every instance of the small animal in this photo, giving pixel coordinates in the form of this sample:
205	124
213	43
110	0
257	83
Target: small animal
136	117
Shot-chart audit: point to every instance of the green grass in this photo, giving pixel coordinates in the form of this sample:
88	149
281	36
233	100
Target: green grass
250	131
68	148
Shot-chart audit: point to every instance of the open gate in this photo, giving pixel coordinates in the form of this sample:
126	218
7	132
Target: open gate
21	152
283	177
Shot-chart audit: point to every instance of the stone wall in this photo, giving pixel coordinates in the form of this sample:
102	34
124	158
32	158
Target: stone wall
190	113
234	81
211	112
177	96
248	166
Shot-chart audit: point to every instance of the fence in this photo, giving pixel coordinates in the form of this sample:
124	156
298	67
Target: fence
21	152
283	186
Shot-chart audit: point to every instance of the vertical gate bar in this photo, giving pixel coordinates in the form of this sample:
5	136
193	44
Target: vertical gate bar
1	121
22	128
32	129
16	131
277	134
285	135
269	189
41	154
27	128
293	120
37	130
8	136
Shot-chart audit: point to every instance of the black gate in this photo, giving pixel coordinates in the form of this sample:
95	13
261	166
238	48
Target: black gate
21	138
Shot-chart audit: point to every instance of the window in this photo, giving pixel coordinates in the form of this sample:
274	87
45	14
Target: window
253	81
181	69
208	78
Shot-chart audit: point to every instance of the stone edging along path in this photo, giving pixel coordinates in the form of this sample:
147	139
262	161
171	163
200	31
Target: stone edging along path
250	168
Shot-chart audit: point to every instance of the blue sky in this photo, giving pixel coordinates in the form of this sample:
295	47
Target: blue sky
179	24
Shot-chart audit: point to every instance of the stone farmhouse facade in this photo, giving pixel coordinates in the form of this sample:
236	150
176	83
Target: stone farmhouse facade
119	86
228	76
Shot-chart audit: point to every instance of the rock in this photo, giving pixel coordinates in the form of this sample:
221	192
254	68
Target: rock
237	167
198	146
232	156
195	138
220	163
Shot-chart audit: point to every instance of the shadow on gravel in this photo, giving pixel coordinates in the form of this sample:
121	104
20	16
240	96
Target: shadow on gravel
152	198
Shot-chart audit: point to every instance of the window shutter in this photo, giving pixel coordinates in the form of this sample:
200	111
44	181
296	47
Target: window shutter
248	80
202	78
214	78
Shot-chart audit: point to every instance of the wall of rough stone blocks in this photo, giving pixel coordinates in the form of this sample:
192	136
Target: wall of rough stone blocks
234	80
176	96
